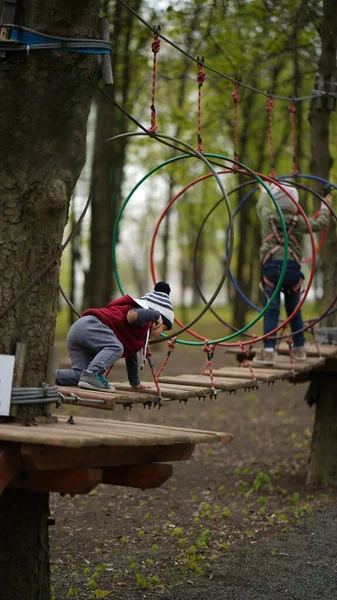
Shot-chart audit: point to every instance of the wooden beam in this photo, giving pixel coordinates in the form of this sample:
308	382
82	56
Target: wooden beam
49	458
138	476
69	481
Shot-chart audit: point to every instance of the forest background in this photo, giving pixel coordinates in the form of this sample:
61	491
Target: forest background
274	47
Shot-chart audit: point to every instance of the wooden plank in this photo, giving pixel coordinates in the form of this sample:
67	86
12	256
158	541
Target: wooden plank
310	363
69	481
10	462
104	396
221	383
262	374
326	350
103	432
167	392
200	392
49	458
138	476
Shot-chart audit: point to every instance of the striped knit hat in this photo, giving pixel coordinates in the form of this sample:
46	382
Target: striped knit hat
159	300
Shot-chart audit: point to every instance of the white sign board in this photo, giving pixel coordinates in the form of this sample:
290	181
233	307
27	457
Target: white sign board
6	381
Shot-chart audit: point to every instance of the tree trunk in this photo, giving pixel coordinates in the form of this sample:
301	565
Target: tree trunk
324	443
109	161
44	103
321	160
24	547
323	455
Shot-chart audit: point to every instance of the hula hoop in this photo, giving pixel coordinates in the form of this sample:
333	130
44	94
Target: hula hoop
222	341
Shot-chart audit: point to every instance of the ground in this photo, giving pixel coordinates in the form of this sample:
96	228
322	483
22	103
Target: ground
236	521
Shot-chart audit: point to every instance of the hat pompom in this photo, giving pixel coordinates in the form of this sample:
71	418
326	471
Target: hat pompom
162	286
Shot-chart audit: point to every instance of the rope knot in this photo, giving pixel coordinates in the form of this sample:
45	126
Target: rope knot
235	94
292	108
155	44
201	75
270	105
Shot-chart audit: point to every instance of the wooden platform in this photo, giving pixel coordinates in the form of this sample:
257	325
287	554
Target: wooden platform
74	455
226	379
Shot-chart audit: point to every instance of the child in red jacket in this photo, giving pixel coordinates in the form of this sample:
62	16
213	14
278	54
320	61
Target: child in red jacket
103	335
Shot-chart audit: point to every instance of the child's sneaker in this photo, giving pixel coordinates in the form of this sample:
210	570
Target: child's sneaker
92	380
299	353
264	358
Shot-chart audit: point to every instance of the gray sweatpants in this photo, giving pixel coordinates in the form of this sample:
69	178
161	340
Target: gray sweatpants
92	346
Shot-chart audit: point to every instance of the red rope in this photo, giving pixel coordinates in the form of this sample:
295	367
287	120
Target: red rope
292	110
245	361
201	78
312	331
290	344
155	49
236	100
269	109
171	346
210	349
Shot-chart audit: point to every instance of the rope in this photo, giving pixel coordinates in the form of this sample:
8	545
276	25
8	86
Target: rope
200	78
236	100
171	346
159	399
35	395
316	93
269	109
155	46
292	110
312	331
290	344
18	38
246	351
210	349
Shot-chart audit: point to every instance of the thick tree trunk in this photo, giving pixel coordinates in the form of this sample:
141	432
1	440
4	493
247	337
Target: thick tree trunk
109	161
324	443
323	456
321	160
24	570
44	104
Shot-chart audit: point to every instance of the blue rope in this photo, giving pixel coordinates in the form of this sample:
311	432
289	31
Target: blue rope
22	38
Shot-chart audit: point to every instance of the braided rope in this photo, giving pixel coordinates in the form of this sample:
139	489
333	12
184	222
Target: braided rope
269	109
236	100
292	110
200	78
171	346
155	46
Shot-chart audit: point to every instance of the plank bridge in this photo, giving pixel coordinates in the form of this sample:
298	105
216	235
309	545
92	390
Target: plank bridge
72	455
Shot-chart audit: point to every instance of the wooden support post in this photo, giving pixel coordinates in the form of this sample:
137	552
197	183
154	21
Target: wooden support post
323	455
